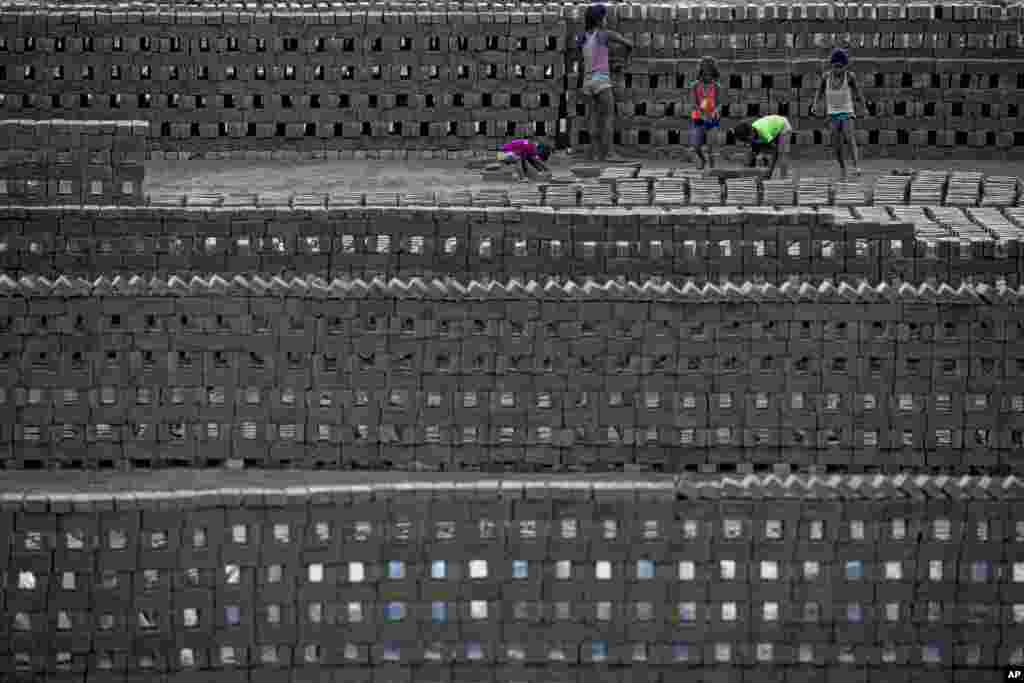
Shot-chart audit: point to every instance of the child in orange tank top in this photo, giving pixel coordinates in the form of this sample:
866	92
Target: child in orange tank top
705	115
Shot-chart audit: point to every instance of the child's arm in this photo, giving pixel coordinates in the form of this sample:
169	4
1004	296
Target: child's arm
857	94
576	55
752	157
616	37
818	95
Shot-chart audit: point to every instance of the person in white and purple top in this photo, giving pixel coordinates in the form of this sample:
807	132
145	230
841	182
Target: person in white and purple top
597	81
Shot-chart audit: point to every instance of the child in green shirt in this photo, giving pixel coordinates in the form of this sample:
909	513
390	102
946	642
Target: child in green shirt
767	135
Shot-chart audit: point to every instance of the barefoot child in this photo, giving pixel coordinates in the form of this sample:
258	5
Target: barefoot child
597	81
767	135
529	157
705	114
839	88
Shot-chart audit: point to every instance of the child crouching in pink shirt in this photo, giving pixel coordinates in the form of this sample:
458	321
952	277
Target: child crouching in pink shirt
529	156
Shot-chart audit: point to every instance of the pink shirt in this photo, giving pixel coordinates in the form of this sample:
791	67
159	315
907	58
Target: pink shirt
524	149
595	53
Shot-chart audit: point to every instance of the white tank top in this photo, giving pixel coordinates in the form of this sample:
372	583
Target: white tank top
838	100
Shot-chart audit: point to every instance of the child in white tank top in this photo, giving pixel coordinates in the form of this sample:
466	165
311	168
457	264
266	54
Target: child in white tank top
839	88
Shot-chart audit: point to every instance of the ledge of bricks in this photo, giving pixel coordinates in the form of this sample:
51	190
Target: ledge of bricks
61	161
416	288
25	491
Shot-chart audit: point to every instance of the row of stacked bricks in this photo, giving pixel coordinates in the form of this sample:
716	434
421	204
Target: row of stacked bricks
500	243
715	580
295	81
409	375
226	82
58	162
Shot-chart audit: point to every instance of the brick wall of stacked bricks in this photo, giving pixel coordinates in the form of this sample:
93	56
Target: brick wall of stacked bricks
59	161
469	243
155	373
706	579
940	79
506	242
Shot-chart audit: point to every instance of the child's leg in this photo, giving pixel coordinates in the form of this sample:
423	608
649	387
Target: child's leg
697	142
838	142
593	128
607	112
851	133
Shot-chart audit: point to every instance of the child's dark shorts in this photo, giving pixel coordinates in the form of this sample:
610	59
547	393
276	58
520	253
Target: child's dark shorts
699	131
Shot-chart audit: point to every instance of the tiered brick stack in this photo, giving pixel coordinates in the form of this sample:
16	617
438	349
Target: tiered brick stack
365	79
72	162
443	376
359	579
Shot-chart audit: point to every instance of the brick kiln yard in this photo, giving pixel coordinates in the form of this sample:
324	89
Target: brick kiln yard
423	176
779	452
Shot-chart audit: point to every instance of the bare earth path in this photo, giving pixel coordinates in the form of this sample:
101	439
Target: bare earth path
337	177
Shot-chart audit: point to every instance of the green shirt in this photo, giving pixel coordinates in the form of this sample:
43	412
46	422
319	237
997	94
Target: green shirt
769	127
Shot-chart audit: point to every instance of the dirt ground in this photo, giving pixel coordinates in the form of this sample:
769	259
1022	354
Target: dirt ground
337	177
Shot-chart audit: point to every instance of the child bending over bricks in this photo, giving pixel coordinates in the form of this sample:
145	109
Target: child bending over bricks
839	88
705	114
767	135
597	82
529	157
